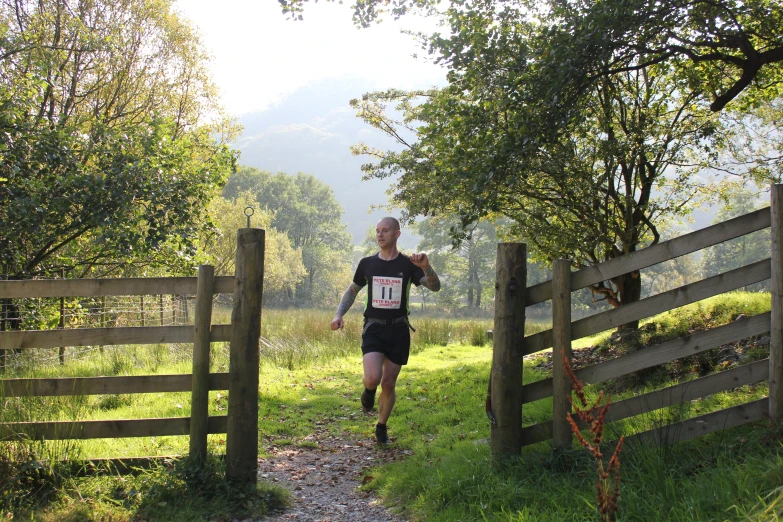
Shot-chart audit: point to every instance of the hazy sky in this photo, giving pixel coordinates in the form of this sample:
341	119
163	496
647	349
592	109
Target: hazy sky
259	55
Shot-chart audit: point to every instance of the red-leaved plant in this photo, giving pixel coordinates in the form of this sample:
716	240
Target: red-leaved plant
593	415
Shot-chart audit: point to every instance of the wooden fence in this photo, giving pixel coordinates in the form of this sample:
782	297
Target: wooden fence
240	424
508	435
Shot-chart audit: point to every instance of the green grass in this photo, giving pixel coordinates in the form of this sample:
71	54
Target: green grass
178	492
439	425
294	339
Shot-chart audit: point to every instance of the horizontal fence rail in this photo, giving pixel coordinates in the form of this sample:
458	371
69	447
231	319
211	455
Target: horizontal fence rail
109	287
740	415
15	340
105	429
658	354
656	304
747	374
64	386
655	254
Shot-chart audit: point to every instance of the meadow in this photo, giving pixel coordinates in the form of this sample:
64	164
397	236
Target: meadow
310	379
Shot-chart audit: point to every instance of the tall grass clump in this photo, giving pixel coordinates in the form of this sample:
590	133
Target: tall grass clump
33	472
295	338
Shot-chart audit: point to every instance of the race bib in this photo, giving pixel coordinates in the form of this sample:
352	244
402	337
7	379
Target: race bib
386	292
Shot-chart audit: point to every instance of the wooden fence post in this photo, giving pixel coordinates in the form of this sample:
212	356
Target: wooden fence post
3	321
242	429
776	323
102	317
199	402
508	348
562	437
61	324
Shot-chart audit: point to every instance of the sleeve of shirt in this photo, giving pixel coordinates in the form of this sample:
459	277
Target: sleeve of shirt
358	277
417	275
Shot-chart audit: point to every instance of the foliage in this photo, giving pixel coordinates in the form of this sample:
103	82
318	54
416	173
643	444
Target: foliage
584	119
722	48
178	490
111	144
596	194
741	251
167	491
283	268
468	267
25	476
306	210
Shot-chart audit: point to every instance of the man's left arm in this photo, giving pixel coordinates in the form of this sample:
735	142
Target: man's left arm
430	279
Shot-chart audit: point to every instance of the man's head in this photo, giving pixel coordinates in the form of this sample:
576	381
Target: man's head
386	232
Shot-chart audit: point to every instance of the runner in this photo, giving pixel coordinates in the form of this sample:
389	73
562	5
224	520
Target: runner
386	337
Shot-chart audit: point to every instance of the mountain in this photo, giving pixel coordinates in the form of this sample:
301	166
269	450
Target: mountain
311	131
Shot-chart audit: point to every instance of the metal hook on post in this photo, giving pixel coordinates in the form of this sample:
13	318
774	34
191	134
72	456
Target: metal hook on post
249	211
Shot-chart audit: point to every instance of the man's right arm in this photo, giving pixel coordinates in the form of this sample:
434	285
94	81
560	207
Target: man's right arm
345	303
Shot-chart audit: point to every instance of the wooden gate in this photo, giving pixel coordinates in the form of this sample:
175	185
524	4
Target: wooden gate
241	381
508	394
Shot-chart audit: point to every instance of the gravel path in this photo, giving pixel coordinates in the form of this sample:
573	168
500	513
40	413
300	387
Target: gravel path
324	479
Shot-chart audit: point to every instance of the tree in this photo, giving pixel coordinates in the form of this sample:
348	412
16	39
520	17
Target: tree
469	265
597	194
725	46
283	267
569	117
111	144
306	210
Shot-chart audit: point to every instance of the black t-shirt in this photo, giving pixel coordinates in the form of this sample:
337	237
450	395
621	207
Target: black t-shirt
388	285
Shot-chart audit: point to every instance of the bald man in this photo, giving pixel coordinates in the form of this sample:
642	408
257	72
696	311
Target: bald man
386	340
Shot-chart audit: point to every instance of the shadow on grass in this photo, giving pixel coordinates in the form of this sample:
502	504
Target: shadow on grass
176	491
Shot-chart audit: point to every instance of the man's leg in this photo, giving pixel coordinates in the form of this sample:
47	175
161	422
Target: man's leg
373	372
373	369
388	390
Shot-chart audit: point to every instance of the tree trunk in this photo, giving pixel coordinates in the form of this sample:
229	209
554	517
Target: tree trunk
10	320
470	288
629	290
478	289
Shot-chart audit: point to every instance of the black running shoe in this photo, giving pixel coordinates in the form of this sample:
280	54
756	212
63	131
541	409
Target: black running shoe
381	435
368	400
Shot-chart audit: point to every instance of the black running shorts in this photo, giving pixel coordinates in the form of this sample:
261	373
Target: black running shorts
393	341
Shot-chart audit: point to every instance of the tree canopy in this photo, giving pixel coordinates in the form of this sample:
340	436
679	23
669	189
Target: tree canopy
598	193
306	210
110	138
583	122
724	47
283	267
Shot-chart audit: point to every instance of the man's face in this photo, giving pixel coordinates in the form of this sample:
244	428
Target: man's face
386	234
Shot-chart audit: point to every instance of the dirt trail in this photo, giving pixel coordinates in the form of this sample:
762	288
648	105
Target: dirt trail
324	479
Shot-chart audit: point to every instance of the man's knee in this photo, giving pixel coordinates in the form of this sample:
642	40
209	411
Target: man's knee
388	383
371	380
